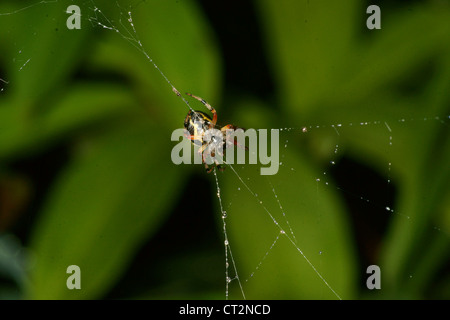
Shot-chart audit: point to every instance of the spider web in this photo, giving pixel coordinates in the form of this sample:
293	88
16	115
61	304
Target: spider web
324	181
269	193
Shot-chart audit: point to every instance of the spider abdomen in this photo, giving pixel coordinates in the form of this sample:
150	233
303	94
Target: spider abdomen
197	123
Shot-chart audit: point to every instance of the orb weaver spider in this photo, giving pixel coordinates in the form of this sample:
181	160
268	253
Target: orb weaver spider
197	123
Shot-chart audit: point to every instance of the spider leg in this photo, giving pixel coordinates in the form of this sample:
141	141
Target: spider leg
200	151
194	139
188	136
202	148
220	167
207	168
207	105
230	126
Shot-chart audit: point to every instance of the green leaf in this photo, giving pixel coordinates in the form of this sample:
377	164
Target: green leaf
180	44
83	105
307	40
47	52
385	61
105	203
328	74
417	242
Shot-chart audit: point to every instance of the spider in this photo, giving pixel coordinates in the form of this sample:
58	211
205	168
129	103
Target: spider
197	123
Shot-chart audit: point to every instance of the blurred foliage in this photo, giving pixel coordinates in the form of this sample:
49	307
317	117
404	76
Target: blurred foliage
86	176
